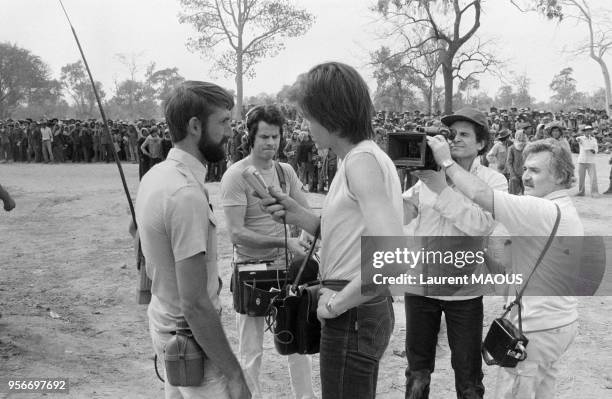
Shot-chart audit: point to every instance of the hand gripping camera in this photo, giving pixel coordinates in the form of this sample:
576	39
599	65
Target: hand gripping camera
410	150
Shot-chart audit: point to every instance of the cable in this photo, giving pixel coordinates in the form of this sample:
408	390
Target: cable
156	369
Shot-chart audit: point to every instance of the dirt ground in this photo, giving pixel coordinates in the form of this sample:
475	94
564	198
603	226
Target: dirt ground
68	295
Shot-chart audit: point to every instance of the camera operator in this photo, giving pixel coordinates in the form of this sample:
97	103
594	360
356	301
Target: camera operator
257	237
440	209
178	234
549	322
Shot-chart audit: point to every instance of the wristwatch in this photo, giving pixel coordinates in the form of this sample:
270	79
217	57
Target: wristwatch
447	164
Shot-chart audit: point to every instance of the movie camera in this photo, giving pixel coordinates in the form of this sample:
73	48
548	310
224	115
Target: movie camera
410	150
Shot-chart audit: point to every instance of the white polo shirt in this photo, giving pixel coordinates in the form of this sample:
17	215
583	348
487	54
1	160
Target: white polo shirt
527	217
175	222
586	145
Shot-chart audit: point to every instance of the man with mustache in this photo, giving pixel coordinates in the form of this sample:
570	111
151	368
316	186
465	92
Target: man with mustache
549	322
178	234
257	237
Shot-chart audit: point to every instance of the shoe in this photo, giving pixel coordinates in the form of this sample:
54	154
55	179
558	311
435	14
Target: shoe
609	191
580	195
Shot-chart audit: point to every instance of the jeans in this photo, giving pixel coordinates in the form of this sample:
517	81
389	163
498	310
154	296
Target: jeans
582	169
250	353
464	330
351	348
536	376
214	384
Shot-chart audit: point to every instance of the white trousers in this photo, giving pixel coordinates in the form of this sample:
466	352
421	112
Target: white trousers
250	353
536	376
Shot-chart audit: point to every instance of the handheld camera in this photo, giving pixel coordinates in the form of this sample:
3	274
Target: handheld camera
410	150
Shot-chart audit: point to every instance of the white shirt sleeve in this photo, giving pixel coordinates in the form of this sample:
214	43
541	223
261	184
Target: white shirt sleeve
524	215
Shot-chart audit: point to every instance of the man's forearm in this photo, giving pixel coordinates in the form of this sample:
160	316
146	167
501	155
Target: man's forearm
248	238
205	325
309	221
475	189
4	195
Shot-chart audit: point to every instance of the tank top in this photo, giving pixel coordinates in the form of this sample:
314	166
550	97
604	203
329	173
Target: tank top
342	223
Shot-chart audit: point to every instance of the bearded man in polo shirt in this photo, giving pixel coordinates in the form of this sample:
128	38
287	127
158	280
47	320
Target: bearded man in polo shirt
439	209
549	322
177	229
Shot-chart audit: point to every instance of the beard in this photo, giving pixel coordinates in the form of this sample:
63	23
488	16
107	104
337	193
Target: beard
212	152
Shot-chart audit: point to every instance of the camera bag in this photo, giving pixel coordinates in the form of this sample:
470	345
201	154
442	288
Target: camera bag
505	344
294	324
253	290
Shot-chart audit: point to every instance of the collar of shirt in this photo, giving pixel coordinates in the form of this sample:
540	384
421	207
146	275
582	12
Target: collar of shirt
476	165
556	195
198	169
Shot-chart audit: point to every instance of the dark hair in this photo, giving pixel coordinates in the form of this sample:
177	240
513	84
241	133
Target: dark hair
482	136
266	113
337	97
193	99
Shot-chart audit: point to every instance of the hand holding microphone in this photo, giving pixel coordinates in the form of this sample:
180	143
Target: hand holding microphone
279	205
256	181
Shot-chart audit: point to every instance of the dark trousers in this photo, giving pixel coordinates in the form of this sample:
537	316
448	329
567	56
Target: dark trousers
464	330
351	347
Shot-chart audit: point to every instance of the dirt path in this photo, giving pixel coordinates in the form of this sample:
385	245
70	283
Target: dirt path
68	282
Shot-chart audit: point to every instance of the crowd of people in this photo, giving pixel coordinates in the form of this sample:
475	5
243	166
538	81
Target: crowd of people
147	142
518	160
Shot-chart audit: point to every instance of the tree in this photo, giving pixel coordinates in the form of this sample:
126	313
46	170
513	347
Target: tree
163	81
75	80
505	97
482	101
133	100
246	30
444	35
599	39
564	86
522	98
394	78
598	28
21	75
467	86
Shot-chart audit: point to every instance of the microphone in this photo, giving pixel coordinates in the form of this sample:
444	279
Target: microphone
256	181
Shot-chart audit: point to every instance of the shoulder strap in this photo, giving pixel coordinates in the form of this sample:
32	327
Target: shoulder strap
306	259
281	176
517	300
552	236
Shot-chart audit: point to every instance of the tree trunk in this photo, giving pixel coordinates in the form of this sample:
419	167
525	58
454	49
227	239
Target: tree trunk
432	94
606	76
447	72
239	73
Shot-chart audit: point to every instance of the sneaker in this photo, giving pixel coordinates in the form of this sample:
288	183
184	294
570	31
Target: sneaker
580	195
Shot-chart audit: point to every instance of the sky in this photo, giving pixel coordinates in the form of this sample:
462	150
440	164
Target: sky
344	30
